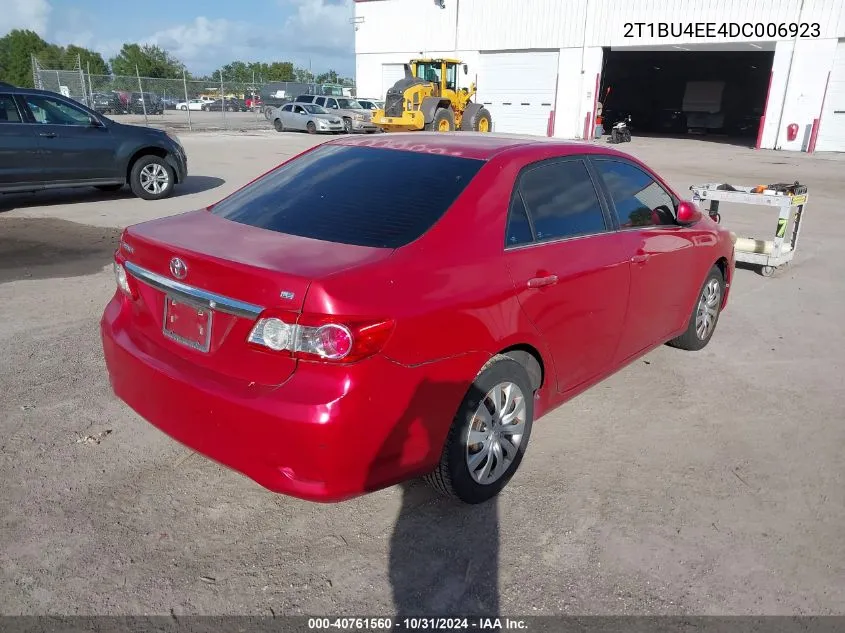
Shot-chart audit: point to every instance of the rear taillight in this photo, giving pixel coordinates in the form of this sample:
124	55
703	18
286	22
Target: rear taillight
121	279
321	337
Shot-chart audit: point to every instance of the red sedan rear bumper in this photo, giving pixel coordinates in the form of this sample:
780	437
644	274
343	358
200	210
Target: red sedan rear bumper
329	433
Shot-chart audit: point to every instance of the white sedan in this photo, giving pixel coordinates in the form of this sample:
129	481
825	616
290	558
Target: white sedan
193	104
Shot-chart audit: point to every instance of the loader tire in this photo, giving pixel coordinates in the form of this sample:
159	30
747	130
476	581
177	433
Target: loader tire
443	121
482	121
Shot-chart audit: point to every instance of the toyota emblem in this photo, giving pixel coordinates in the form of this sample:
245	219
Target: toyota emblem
178	268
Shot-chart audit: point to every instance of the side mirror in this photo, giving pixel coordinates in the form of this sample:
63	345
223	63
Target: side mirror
688	213
94	121
466	69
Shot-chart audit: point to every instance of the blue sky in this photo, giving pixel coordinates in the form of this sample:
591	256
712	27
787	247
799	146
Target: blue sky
203	33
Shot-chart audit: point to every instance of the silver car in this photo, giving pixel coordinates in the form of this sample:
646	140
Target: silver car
355	117
306	117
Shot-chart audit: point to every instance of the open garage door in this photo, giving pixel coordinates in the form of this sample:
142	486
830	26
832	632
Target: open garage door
519	90
390	74
831	136
706	94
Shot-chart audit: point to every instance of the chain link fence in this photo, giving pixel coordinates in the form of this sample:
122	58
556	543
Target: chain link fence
180	104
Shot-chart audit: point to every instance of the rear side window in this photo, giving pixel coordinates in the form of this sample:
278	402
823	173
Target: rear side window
562	200
9	110
353	195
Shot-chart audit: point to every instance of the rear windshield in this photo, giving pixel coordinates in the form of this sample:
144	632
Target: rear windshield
353	195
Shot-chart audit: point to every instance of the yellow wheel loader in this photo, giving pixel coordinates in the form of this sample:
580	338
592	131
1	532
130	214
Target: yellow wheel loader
428	99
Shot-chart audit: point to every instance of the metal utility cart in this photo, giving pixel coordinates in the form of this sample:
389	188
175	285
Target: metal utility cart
789	200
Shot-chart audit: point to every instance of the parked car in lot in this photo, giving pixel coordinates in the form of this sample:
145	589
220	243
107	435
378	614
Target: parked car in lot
375	310
139	103
306	117
371	104
229	105
355	118
193	104
55	142
108	103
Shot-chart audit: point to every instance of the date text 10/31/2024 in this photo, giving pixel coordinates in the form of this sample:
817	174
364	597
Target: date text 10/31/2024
417	624
714	30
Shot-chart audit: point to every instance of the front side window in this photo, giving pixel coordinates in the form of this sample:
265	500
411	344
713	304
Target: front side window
55	112
639	200
331	104
562	201
329	194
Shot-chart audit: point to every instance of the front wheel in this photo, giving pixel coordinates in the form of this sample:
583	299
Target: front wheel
705	314
152	178
312	129
183	108
489	434
444	121
347	126
277	123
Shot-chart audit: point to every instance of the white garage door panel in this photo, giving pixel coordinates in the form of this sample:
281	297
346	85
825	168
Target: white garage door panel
390	74
831	136
519	90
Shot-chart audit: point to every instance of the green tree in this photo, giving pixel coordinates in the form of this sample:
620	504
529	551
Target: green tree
330	77
302	75
243	72
150	60
88	58
16	50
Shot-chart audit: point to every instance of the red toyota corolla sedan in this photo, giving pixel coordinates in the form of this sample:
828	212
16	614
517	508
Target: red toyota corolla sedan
377	309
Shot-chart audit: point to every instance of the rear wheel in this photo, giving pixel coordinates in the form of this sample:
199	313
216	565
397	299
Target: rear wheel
705	314
443	121
489	434
152	178
482	121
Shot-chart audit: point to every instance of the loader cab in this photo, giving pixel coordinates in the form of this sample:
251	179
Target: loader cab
443	72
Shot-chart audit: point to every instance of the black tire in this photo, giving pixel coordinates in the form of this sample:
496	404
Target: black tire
312	129
135	178
110	188
452	475
184	108
443	115
479	119
347	126
277	123
691	340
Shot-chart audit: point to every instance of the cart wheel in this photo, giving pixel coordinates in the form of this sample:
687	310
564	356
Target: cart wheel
767	271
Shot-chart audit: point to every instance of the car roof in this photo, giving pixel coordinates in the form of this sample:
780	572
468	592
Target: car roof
479	146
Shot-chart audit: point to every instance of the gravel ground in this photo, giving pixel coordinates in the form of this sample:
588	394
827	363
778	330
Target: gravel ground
706	483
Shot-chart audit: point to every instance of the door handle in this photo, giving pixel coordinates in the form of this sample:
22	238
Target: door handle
539	282
640	258
48	134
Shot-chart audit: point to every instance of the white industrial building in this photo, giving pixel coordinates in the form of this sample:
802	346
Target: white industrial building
541	65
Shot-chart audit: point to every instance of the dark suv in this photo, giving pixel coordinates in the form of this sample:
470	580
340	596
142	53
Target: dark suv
48	141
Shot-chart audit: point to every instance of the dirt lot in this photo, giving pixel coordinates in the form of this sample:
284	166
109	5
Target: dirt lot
707	483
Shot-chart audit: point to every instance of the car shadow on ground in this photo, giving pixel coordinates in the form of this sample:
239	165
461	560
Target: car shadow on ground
193	184
444	555
46	248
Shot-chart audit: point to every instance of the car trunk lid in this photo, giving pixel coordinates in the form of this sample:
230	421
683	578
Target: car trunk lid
235	272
